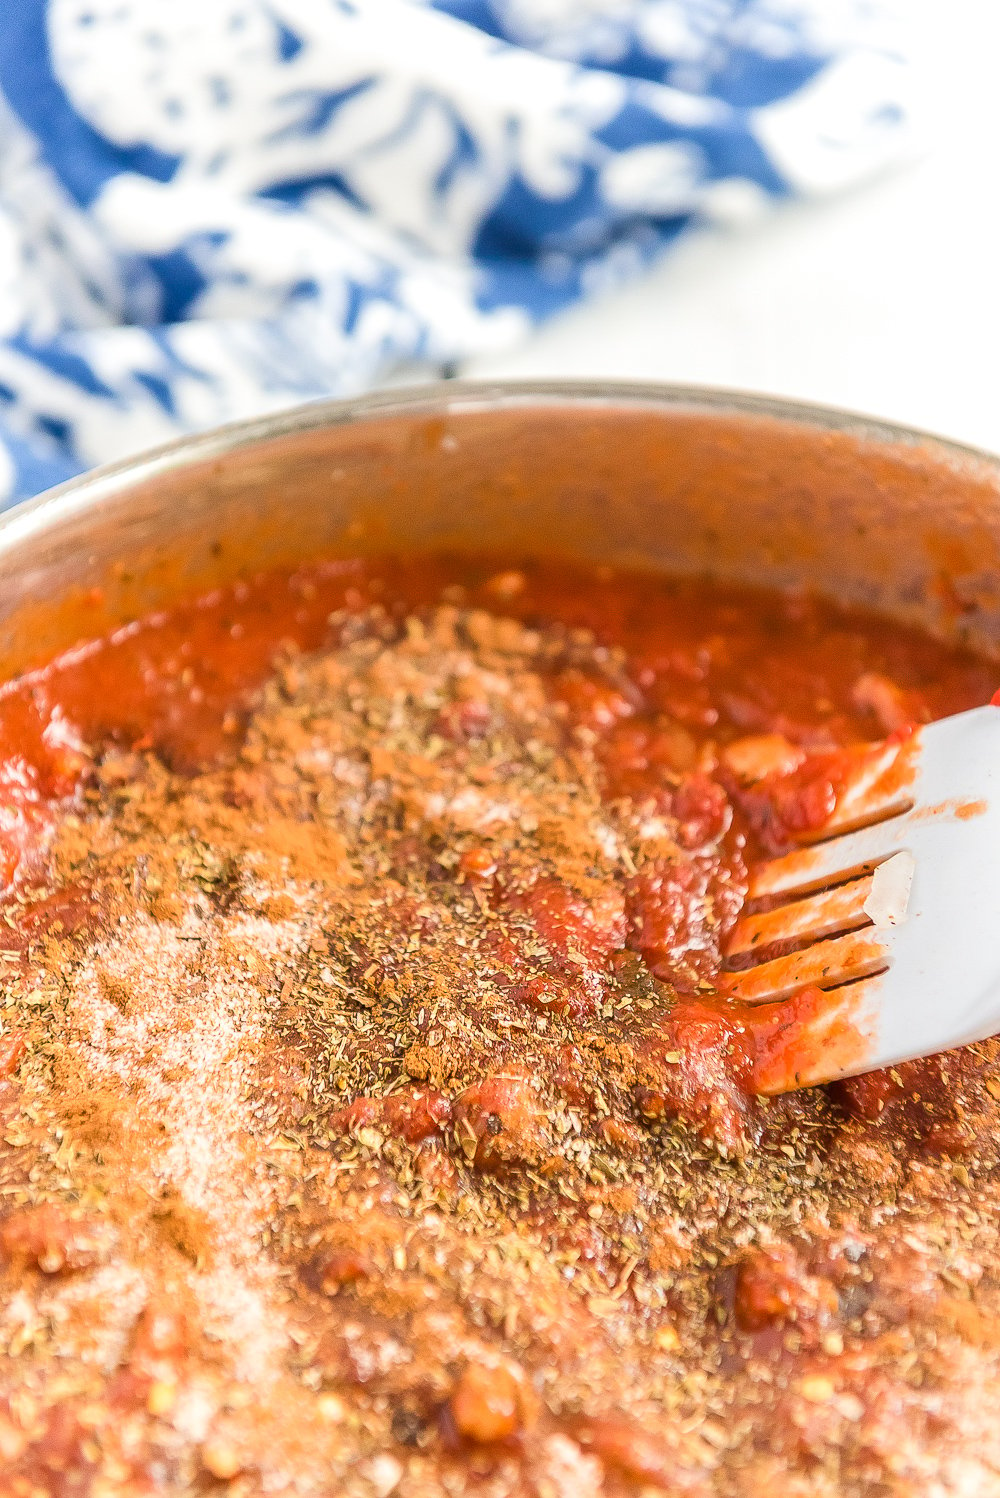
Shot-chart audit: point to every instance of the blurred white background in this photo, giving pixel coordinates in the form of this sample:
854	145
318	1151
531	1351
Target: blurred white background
886	300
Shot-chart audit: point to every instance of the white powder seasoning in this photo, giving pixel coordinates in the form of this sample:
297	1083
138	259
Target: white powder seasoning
194	1013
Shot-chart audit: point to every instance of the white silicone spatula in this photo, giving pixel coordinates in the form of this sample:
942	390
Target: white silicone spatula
894	909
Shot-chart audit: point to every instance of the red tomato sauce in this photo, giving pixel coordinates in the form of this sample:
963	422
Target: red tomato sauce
379	1118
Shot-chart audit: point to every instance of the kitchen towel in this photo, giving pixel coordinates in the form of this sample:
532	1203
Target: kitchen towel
213	208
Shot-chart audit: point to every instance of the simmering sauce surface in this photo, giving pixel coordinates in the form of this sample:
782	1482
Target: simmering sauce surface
376	1118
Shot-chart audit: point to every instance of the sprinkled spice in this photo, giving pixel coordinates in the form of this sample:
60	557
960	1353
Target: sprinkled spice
374	1117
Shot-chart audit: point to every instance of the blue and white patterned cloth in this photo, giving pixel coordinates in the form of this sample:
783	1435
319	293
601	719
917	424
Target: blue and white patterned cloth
213	208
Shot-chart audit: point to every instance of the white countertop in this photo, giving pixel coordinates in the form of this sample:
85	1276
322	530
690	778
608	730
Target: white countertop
884	300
